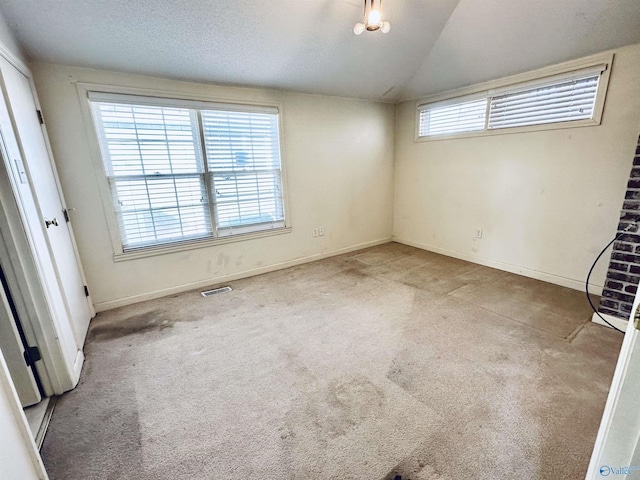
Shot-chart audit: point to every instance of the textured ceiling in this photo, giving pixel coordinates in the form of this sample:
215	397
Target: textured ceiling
308	45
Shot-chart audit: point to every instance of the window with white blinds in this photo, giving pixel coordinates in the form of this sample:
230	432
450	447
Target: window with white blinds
568	97
453	118
243	155
188	173
558	102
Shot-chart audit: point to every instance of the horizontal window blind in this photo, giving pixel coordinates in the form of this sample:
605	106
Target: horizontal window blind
243	155
560	102
466	116
139	140
160	210
179	174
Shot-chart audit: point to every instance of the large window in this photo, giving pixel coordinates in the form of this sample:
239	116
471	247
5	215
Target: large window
567	99
185	171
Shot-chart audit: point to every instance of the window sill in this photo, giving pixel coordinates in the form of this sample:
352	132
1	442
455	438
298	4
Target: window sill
511	130
180	247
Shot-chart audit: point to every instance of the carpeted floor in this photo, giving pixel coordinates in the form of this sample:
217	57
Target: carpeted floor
387	361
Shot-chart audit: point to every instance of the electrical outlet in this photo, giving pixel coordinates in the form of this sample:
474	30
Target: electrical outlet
314	232
479	232
321	231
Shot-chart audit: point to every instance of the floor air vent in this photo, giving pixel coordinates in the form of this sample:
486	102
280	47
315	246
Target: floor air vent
208	293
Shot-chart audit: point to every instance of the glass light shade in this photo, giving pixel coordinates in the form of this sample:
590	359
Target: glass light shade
386	26
358	28
374	17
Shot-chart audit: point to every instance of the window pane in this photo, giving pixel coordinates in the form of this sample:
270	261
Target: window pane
139	140
156	172
454	118
561	102
243	153
159	210
246	198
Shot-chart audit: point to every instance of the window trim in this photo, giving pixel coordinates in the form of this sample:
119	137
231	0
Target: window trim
521	82
155	97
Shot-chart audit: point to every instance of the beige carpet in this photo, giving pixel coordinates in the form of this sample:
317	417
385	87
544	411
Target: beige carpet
387	361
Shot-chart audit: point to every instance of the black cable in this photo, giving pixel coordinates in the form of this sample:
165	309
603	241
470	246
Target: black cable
586	284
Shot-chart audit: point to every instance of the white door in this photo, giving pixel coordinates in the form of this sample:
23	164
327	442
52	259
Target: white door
13	350
19	456
28	129
25	252
616	454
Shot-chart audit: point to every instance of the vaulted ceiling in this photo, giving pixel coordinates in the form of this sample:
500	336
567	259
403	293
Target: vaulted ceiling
309	46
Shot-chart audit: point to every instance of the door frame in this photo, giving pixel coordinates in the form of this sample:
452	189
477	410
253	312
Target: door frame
608	416
22	268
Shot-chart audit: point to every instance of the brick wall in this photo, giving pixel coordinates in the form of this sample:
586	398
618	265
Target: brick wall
624	268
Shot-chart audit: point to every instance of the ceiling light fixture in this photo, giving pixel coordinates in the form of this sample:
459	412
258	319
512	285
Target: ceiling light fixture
372	18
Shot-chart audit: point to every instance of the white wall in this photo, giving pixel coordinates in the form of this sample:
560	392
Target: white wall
548	201
339	163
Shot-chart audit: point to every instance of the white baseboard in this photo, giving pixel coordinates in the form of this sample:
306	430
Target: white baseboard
527	272
615	321
108	305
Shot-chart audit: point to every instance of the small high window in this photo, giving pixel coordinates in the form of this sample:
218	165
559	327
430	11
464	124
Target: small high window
568	99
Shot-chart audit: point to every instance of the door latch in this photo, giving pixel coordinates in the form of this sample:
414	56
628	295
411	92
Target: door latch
636	318
48	222
32	355
66	213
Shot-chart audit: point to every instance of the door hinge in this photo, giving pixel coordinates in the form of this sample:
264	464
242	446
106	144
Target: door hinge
32	355
636	318
40	119
86	291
